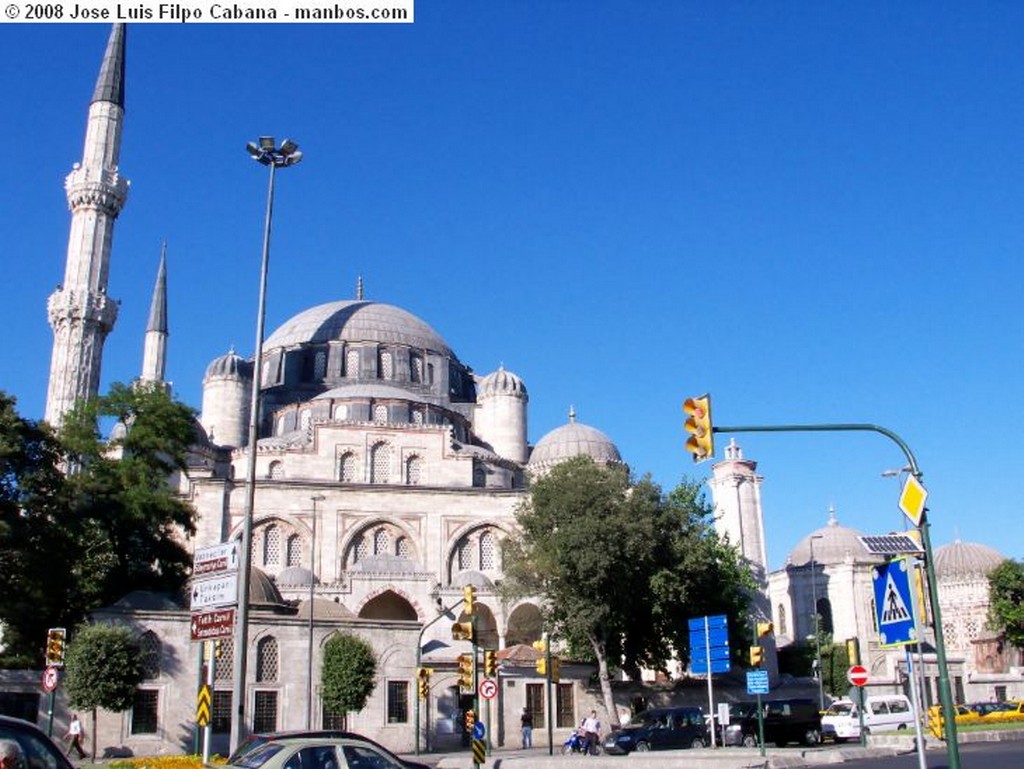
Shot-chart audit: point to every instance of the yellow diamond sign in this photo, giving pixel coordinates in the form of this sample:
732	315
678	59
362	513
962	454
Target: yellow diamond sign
912	500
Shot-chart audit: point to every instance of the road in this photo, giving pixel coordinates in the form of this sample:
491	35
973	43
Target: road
979	755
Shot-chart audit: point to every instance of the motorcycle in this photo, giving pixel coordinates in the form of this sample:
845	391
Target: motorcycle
577	743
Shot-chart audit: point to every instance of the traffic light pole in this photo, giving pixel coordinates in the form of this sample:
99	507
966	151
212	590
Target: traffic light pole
547	682
419	659
945	695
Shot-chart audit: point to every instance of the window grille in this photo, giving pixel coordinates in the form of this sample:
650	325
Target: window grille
305	418
413	469
224	669
387	365
320	365
398	702
782	620
220	717
352	364
402	548
417	416
266	659
150	655
276	471
264	717
332	720
380	463
565	706
380	414
347	468
487	552
293	551
272	546
381	542
145	711
479	476
362	548
535	703
416	368
465	555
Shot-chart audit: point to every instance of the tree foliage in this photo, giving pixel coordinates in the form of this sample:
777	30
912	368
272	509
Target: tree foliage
620	566
73	542
349	673
1006	601
104	665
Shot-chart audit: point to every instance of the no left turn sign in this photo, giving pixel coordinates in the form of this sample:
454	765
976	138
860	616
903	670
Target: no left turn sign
50	678
488	688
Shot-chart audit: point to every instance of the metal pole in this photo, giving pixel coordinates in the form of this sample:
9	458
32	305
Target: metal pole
551	715
312	580
814	617
711	693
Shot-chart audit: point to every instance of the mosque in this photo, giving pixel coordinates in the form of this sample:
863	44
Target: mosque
388	473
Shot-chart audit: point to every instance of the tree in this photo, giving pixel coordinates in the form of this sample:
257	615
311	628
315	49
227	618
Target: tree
349	673
1006	601
619	566
73	542
104	665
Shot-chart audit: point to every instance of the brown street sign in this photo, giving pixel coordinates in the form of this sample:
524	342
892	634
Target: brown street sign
215	623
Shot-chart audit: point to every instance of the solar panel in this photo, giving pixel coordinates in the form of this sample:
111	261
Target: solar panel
891	544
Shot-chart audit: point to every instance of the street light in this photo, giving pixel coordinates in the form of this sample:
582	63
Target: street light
267	154
312	580
814	616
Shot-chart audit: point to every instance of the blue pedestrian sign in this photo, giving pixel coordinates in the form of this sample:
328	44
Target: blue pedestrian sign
709	644
757	682
894	603
478	730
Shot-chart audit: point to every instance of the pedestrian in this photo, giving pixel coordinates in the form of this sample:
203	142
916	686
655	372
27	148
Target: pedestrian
592	729
526	720
11	756
75	736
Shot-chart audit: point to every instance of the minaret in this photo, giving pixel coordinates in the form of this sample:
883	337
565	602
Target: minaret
80	312
736	492
154	354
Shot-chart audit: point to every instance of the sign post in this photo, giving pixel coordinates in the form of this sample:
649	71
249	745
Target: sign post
858	676
709	653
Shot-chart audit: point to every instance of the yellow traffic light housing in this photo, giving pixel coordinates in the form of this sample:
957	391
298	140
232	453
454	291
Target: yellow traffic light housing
701	442
756	655
542	666
764	628
555	672
490	662
55	639
853	650
423	681
470	720
462	631
468	600
466	671
541	646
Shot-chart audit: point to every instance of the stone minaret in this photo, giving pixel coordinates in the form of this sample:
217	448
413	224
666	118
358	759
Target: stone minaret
80	312
154	354
736	492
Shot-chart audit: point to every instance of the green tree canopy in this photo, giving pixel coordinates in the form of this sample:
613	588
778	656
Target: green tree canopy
349	673
1006	601
620	567
104	665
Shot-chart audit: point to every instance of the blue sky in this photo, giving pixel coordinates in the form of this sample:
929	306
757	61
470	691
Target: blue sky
810	210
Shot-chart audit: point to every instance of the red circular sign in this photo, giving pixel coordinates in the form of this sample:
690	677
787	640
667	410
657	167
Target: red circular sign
50	678
488	688
857	675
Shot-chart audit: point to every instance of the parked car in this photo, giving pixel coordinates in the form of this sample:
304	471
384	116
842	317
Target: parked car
882	713
661	729
785	721
40	751
324	749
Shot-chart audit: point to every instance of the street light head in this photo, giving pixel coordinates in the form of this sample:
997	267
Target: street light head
288	147
252	149
291	159
267	143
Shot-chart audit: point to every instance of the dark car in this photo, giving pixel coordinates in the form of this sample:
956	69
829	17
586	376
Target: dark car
785	721
661	729
256	741
40	751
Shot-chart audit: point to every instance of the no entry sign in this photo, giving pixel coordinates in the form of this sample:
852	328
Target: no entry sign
857	675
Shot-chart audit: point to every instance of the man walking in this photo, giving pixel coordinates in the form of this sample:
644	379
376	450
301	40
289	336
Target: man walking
75	736
526	720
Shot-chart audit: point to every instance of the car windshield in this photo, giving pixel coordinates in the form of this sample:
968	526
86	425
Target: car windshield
651	718
742	709
840	709
258	755
249	743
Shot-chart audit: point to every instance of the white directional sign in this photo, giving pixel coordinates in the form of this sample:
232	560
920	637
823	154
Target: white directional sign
220	591
214	560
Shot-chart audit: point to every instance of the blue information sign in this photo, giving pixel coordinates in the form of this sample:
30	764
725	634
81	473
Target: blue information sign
894	605
757	682
709	641
478	730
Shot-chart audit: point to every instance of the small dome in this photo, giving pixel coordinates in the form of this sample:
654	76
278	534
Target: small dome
573	440
323	609
262	590
295	575
833	544
229	365
966	559
501	382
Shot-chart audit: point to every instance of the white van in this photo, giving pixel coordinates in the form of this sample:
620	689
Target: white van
882	713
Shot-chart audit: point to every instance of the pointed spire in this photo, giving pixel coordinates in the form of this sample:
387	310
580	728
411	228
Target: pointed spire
572	414
158	307
110	83
359	289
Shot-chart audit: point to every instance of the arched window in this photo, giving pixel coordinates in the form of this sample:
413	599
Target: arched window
272	546
305	417
479	474
465	554
293	551
416	368
385	364
380	463
347	468
320	365
417	416
266	659
488	561
381	542
402	549
225	651
352	364
413	469
276	471
341	412
380	414
824	610
150	643
362	548
782	620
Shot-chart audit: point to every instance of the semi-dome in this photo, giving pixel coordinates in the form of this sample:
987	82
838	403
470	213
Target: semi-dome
833	544
966	559
572	440
296	575
228	365
357	321
500	382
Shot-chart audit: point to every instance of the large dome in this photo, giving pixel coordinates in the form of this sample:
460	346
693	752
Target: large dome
966	559
357	321
833	544
573	440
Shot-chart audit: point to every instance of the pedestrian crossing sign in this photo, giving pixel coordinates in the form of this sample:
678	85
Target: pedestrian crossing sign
894	603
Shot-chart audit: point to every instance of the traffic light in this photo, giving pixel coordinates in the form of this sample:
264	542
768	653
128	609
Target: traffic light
542	666
423	681
701	442
466	671
756	655
462	631
853	650
55	638
470	720
218	648
490	662
542	662
555	665
468	600
764	628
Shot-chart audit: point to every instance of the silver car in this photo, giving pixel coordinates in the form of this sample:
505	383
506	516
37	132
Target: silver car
313	752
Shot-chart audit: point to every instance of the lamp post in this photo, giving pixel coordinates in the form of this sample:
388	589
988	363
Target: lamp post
269	154
312	581
814	617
